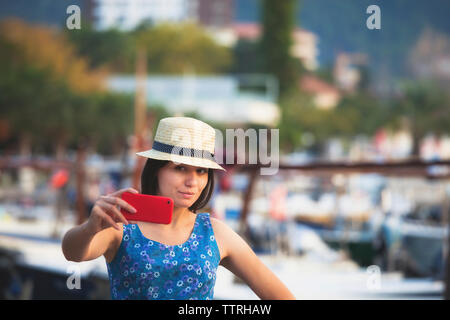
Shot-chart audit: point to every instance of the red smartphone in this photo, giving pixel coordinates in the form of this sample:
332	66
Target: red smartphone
149	208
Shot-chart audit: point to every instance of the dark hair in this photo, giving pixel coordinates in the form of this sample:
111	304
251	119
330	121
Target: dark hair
149	183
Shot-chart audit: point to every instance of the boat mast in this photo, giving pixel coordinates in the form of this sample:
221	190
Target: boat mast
140	115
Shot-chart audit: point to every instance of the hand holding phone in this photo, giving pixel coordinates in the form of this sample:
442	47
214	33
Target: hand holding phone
149	208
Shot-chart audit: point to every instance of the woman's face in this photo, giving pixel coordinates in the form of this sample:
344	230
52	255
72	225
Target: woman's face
181	182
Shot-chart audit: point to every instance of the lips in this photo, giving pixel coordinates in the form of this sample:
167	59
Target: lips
186	195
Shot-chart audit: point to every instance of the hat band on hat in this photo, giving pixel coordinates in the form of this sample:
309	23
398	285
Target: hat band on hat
189	152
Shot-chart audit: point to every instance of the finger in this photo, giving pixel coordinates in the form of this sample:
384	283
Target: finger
112	208
109	220
118	193
119	202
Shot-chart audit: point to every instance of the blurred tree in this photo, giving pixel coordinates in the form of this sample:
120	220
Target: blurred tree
360	113
247	57
176	49
291	126
45	48
38	76
108	126
424	107
356	114
111	48
276	41
47	93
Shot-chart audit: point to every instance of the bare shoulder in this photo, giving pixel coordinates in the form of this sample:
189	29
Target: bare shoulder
228	240
221	229
222	233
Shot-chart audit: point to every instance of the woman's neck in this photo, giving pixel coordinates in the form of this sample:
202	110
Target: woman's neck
180	216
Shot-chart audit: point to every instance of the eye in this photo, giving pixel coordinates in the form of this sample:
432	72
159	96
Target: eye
202	171
180	168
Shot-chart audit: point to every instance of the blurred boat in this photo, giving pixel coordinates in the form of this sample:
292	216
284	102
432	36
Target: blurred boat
414	242
32	265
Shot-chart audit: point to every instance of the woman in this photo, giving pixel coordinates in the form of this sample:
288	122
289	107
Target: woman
179	260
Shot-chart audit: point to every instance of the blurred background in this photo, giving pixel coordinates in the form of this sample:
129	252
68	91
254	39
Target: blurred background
359	208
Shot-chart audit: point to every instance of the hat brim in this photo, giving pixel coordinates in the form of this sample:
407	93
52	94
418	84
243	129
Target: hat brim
193	161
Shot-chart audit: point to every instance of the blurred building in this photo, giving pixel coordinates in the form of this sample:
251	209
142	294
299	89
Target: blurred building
304	42
325	95
128	14
305	48
214	13
346	74
430	56
220	98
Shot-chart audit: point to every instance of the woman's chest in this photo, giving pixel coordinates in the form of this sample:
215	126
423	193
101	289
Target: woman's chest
155	262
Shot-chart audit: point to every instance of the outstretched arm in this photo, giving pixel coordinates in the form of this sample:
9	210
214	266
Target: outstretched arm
239	258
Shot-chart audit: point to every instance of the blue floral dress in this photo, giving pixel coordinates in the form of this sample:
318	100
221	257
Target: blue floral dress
147	269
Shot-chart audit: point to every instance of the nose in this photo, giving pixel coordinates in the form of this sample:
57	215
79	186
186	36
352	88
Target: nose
191	178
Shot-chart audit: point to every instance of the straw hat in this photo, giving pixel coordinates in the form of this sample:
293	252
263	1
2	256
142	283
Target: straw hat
184	140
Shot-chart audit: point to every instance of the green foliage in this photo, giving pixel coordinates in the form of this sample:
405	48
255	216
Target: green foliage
39	103
276	41
424	108
356	114
112	48
176	49
170	49
247	57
